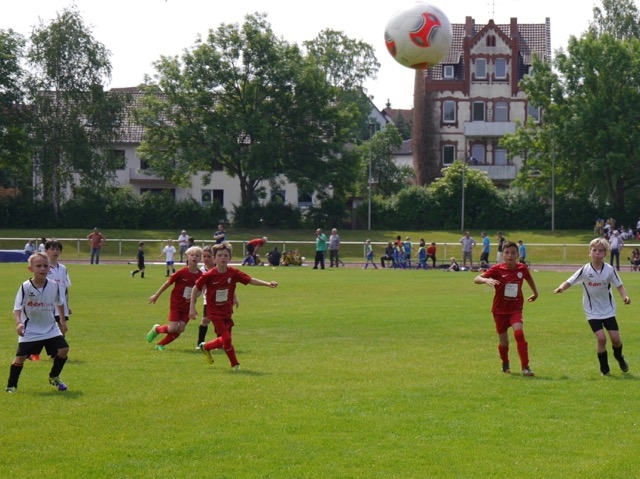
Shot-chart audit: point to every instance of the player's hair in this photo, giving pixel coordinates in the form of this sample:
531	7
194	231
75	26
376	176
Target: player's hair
53	244
208	248
603	243
38	254
222	246
509	244
141	243
194	249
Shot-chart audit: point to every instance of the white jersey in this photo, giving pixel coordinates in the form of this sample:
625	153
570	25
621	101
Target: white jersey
170	251
597	297
38	307
204	269
60	275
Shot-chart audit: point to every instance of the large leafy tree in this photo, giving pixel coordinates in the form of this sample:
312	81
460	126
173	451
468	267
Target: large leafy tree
74	122
252	103
14	159
592	112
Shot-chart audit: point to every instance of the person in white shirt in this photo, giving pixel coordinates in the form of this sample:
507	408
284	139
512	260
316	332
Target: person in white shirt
183	243
34	309
169	251
615	243
598	302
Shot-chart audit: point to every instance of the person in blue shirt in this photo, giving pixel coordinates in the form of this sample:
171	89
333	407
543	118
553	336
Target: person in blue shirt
369	255
486	248
406	246
422	255
522	252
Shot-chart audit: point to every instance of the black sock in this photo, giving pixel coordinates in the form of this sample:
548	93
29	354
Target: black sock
617	352
58	364
604	362
14	375
202	333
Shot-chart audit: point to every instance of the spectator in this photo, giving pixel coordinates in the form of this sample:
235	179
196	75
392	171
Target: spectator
486	248
522	252
453	265
274	256
254	246
41	246
635	259
501	240
29	248
616	244
388	255
468	243
220	235
321	248
96	239
183	243
334	248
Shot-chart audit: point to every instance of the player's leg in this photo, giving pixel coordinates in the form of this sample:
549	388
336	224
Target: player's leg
597	327
58	362
616	343
502	328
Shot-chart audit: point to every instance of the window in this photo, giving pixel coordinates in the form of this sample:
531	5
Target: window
481	68
448	154
500	157
120	159
207	197
478	111
501	68
305	200
449	111
533	112
448	72
477	152
491	40
278	197
501	111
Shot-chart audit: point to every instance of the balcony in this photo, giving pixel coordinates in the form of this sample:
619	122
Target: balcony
138	176
499	173
488	129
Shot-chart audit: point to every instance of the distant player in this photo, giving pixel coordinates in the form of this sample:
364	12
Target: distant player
169	251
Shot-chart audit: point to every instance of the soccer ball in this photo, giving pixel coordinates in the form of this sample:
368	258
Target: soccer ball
418	37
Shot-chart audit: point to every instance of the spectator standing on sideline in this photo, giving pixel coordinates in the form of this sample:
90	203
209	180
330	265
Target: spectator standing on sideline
522	252
96	239
468	243
486	248
406	248
431	253
169	251
508	301
388	255
321	249
220	235
616	243
368	255
501	240
334	248
183	243
41	247
599	305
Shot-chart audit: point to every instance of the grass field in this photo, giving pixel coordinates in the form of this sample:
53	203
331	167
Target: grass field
345	374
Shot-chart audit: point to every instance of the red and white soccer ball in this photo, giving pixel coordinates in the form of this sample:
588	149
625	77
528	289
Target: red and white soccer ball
418	37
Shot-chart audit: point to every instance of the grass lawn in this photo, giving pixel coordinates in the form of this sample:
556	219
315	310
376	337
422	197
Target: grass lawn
345	374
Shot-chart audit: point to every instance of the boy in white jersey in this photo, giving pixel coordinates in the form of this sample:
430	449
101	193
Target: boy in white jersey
33	311
59	274
596	278
169	251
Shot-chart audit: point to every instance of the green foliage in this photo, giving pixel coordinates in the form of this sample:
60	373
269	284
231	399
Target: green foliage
330	214
271	215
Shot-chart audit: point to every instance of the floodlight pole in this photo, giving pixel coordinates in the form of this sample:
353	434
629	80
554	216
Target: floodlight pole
464	167
371	126
553	182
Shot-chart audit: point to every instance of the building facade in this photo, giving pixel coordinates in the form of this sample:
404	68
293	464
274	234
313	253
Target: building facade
477	92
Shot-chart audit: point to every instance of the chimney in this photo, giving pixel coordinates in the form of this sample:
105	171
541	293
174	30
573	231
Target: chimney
514	27
468	27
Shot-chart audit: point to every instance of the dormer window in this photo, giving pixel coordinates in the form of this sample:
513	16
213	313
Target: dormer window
448	72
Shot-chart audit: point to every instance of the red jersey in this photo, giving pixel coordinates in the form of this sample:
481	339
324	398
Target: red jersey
257	243
508	296
183	281
220	290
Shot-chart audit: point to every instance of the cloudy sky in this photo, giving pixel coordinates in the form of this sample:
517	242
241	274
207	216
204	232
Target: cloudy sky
137	32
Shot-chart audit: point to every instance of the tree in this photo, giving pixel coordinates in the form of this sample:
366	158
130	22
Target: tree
386	175
73	122
592	112
425	159
252	103
14	159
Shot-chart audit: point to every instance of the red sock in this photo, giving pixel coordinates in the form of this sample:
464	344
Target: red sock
231	354
504	353
169	338
164	329
523	348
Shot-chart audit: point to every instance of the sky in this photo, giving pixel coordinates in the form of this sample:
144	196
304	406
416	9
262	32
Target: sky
138	32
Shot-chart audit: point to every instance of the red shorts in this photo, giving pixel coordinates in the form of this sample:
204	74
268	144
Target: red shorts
504	321
176	315
221	326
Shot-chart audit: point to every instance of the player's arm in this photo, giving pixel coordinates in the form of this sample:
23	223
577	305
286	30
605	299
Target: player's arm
563	287
534	289
259	282
195	292
17	315
63	321
480	279
623	293
162	289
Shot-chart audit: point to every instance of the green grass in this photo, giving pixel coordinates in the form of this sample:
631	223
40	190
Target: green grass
346	374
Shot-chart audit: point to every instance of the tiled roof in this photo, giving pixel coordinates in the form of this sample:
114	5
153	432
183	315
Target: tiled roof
130	131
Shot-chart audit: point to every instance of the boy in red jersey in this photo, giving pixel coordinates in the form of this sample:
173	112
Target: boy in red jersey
220	284
508	301
183	280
